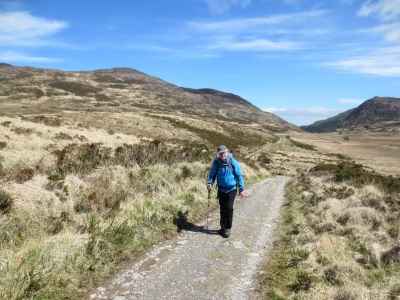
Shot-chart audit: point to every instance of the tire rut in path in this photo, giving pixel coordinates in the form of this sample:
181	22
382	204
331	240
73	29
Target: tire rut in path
200	264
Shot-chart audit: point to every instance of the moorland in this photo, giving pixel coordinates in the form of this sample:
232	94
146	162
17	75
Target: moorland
97	166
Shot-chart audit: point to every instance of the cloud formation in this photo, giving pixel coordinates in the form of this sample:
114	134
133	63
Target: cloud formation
18	57
255	24
384	63
385	10
301	111
23	29
221	6
303	115
346	100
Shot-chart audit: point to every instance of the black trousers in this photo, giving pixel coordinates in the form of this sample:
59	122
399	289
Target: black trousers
226	201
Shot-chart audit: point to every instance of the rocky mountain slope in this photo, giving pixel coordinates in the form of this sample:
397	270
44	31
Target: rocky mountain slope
128	101
377	113
372	111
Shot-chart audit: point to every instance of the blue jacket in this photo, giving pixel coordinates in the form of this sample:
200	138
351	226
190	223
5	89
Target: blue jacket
228	175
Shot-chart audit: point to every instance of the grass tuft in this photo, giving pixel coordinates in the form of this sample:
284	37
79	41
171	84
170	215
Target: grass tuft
6	202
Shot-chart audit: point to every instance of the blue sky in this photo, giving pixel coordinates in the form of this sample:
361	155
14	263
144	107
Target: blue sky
302	60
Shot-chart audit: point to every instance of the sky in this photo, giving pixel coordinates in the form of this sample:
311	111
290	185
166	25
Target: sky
302	60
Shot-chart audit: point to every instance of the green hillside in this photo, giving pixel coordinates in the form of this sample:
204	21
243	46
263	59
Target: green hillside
329	124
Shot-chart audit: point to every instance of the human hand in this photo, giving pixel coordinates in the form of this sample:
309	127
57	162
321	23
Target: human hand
241	193
209	186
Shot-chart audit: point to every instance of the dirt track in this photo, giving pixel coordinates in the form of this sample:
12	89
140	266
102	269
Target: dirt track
200	264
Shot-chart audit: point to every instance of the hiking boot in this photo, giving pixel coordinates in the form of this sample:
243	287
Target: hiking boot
221	231
227	233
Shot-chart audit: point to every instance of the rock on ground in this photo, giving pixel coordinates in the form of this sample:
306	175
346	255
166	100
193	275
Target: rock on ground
199	263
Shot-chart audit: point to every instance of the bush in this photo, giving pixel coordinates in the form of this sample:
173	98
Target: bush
22	130
73	87
6	202
357	175
62	136
24	174
39	93
83	158
49	121
102	97
301	145
6	123
303	281
264	159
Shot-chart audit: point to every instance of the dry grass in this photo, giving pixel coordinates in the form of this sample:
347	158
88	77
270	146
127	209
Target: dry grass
349	233
79	203
376	150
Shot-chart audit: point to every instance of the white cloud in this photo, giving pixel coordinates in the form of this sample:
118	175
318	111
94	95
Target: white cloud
273	109
256	45
386	10
347	100
21	28
303	115
11	56
257	34
220	6
381	64
251	24
390	31
309	111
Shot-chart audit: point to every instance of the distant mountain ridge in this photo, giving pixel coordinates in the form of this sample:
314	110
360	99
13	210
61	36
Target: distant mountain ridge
373	111
121	89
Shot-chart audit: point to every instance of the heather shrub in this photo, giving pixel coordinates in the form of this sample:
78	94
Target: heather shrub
6	202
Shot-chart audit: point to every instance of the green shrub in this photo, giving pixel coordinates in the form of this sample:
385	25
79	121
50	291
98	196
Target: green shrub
303	281
82	158
6	202
357	175
102	97
21	130
73	87
186	172
24	174
301	145
6	123
332	276
39	93
62	136
49	121
264	159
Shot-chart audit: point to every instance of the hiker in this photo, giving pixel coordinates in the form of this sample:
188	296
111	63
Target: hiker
229	178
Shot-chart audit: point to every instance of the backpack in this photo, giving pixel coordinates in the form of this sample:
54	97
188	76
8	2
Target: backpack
228	164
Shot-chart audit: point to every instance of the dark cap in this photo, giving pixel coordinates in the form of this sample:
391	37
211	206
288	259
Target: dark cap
222	149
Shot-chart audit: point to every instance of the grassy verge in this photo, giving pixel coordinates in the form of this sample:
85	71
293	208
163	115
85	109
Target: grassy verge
339	237
75	209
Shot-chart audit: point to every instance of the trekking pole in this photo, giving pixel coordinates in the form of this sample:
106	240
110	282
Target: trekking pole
208	208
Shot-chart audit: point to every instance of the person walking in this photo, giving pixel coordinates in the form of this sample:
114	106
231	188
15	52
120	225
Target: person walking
228	174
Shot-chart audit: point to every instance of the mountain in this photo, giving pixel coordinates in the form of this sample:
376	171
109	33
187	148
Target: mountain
377	112
327	125
99	98
373	111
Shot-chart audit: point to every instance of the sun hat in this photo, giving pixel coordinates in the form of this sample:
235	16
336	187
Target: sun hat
222	149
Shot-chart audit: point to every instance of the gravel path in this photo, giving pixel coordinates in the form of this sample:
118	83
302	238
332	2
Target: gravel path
200	264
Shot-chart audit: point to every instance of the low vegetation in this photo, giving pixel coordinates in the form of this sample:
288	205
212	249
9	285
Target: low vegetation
77	204
339	236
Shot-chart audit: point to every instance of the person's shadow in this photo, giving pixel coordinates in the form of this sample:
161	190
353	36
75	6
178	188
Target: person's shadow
182	223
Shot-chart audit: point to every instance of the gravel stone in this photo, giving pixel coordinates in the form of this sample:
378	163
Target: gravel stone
199	263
